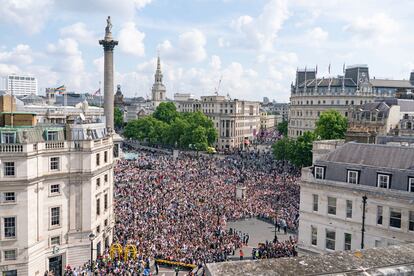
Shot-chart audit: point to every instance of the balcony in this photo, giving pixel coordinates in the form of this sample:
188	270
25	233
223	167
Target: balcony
11	148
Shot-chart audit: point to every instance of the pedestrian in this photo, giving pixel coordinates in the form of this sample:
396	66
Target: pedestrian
241	254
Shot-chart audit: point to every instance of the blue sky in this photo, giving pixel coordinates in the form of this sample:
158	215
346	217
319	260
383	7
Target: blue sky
254	46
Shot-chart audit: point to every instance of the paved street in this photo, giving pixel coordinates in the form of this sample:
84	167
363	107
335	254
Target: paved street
258	230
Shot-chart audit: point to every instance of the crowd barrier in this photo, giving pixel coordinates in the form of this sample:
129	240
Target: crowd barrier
172	263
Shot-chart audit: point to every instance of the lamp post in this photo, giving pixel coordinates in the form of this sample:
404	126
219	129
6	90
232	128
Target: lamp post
91	237
364	203
275	238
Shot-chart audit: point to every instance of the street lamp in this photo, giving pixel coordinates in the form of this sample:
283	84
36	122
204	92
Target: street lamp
275	238
91	237
364	203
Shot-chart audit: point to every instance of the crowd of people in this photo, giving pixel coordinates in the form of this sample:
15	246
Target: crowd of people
178	209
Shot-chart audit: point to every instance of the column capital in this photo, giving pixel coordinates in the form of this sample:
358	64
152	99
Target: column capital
108	45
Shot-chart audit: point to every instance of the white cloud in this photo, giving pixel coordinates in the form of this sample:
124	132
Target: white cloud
124	8
215	62
379	27
131	40
68	63
21	54
190	47
261	32
30	15
80	33
316	36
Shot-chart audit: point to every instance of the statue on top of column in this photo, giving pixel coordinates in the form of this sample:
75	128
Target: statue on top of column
108	27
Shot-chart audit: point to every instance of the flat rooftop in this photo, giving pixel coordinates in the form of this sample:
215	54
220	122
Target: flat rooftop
392	260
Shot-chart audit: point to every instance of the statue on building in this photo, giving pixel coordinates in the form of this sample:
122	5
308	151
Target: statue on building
108	26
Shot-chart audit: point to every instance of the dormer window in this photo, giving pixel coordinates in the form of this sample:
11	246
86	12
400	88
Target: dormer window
352	177
52	136
8	137
319	172
383	181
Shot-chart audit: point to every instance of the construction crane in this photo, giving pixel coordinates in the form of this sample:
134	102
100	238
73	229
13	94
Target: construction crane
218	86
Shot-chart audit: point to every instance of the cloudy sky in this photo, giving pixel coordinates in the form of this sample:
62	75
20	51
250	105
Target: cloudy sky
254	46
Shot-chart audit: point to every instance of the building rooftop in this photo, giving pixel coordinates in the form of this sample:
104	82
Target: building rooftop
381	156
393	260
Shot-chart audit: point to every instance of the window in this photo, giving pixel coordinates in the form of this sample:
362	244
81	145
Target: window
331	205
315	203
314	235
52	135
10	255
55	189
349	208
98	159
105	156
105	202
55	216
377	243
98	206
9	227
8	137
319	173
330	239
9	169
98	229
395	218
411	220
9	197
54	163
353	177
106	222
10	273
98	182
347	241
411	185
55	240
106	178
383	181
379	215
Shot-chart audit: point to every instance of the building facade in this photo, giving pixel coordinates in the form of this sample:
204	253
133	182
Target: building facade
332	198
310	95
237	122
56	187
20	85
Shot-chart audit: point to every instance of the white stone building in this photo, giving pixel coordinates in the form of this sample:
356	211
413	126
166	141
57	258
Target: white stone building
237	122
310	96
56	187
332	191
20	85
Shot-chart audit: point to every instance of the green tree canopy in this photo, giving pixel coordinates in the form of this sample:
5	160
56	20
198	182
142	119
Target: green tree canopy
166	112
331	125
118	118
298	152
168	127
282	127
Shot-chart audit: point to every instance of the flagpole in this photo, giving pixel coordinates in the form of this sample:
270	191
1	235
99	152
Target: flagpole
100	95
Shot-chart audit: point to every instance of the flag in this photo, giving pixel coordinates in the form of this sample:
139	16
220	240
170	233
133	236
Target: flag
61	89
97	92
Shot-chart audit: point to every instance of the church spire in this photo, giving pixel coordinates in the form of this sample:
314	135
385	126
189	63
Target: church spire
158	73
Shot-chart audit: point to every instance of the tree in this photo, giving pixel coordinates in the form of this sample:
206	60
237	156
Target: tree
166	112
170	128
298	152
147	129
283	128
118	118
331	125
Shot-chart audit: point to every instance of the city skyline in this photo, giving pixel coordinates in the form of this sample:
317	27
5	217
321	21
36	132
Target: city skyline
254	47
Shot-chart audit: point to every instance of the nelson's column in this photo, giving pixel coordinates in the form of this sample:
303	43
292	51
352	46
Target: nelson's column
109	45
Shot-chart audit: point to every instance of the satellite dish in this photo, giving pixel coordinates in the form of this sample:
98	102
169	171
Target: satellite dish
82	116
